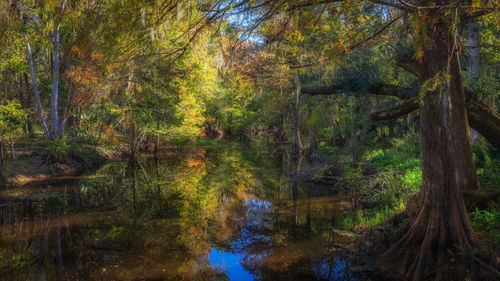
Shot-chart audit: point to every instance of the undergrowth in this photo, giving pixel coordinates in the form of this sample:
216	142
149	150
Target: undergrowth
488	221
397	178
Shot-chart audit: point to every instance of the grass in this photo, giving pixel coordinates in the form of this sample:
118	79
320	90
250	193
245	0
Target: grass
366	218
403	155
398	176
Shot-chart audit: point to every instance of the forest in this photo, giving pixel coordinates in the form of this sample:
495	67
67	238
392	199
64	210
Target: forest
250	140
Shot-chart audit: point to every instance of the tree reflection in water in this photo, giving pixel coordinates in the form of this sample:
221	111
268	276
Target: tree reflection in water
196	215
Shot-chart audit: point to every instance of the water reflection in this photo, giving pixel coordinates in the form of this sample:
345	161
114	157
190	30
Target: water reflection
230	264
222	214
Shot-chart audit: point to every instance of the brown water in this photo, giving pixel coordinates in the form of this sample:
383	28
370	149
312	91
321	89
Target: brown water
216	214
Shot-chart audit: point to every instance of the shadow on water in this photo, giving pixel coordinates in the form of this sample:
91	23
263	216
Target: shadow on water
221	214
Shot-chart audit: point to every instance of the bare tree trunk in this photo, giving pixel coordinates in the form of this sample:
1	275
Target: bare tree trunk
312	136
296	128
2	178
333	133
33	77
56	125
11	148
55	85
29	125
2	146
22	101
474	58
440	223
351	114
133	141
157	142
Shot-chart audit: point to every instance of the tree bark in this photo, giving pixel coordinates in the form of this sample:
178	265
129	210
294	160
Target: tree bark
441	220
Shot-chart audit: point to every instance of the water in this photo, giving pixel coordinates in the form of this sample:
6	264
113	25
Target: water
220	214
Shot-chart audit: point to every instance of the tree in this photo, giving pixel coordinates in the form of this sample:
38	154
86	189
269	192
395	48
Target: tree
12	117
441	222
57	12
440	226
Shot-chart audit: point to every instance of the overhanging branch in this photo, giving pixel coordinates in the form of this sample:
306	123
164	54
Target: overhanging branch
381	89
481	117
410	65
396	111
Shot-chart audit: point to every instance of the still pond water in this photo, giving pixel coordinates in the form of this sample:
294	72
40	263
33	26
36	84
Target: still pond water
198	214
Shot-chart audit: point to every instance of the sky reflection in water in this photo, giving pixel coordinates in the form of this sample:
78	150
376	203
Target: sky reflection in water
205	215
230	263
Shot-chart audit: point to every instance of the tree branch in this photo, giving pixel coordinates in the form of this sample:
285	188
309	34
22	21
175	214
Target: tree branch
482	118
478	14
410	65
381	89
396	111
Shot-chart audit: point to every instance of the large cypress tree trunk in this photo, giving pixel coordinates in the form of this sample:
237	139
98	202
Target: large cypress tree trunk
440	224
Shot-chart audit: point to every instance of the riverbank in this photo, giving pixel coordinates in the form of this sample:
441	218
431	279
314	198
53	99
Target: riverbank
36	160
33	161
383	185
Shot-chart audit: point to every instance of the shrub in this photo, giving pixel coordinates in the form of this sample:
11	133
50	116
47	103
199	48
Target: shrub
489	177
487	220
59	148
